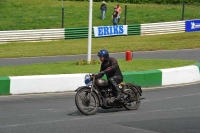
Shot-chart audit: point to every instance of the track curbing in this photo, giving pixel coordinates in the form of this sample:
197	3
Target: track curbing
69	82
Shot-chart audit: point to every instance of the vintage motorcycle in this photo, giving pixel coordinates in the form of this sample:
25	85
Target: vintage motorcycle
98	93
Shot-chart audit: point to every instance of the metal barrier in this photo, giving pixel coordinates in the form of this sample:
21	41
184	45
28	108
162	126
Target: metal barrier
31	35
77	33
163	28
134	29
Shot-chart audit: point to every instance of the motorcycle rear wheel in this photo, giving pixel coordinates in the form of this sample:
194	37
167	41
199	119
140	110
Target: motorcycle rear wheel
84	105
134	102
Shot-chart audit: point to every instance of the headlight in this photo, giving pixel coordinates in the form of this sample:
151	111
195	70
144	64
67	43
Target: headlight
87	79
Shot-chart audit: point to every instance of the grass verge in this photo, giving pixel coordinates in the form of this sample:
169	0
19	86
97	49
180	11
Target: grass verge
70	67
112	44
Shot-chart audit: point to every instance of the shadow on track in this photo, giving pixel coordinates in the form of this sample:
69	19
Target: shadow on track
112	110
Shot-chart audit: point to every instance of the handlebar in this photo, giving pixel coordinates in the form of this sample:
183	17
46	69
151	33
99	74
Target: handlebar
92	74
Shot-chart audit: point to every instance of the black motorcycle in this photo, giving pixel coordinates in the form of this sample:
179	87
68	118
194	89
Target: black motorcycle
98	93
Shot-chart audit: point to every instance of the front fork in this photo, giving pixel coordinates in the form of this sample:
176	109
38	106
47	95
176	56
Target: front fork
91	90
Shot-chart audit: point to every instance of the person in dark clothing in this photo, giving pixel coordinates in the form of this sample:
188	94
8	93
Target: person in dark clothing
103	9
110	67
115	16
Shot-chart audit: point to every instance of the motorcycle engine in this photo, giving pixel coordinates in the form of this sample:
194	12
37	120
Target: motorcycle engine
110	101
108	95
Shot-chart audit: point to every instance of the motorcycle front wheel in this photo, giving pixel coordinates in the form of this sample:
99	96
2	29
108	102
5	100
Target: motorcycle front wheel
86	103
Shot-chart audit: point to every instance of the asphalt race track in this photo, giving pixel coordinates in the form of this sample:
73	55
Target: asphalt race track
164	110
174	109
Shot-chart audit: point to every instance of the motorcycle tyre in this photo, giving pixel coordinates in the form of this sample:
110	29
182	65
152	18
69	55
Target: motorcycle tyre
77	103
136	106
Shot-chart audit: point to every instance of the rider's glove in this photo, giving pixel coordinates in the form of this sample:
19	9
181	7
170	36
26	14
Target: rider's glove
102	72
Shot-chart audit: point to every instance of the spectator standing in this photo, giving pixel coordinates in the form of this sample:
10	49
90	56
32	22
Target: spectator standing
119	9
103	9
115	16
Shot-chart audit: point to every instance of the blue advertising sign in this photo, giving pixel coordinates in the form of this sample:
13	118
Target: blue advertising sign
192	25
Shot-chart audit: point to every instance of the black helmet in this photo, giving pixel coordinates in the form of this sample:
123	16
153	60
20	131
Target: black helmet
103	53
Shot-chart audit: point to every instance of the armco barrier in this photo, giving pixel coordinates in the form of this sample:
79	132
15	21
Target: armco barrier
69	82
77	33
134	29
163	28
54	34
32	35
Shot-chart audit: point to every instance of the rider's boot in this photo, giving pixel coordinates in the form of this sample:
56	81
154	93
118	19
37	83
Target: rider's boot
116	90
118	96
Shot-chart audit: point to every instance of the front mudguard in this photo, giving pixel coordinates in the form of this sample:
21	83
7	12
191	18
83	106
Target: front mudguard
89	90
81	87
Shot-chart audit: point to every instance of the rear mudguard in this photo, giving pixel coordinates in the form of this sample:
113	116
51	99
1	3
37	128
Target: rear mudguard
138	88
89	90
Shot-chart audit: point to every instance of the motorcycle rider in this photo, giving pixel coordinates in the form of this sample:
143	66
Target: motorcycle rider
110	67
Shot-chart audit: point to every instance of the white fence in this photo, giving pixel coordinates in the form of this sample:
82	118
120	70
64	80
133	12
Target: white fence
163	28
32	35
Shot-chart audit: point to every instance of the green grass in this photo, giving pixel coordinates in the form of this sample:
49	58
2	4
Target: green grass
46	14
70	67
112	44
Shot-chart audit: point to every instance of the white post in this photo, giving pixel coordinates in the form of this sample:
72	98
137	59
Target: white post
90	32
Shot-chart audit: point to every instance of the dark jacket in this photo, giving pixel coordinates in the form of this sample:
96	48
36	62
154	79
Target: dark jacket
103	7
115	14
111	68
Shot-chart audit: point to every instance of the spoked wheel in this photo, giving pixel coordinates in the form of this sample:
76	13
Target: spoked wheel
133	100
86	103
